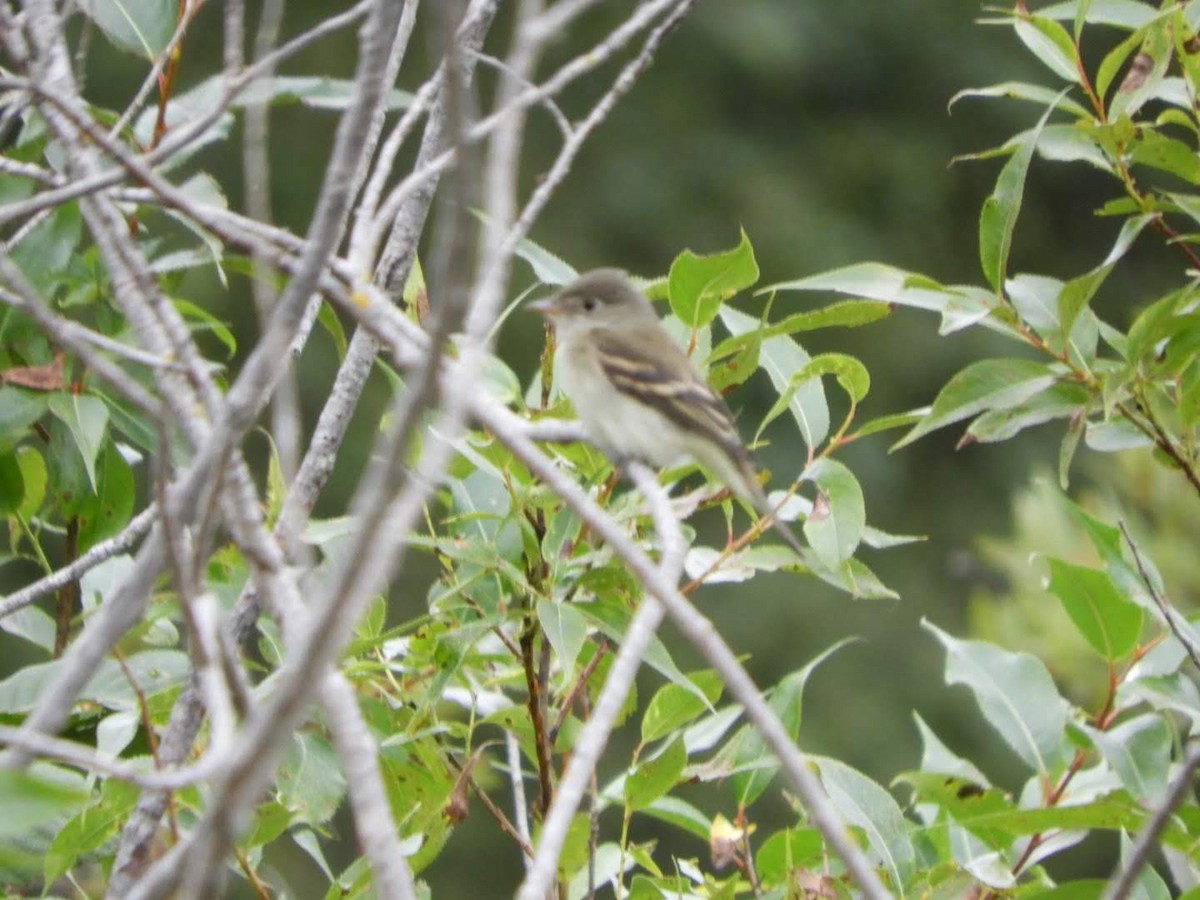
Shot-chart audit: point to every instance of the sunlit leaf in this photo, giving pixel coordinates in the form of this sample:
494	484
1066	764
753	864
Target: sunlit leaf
654	777
698	285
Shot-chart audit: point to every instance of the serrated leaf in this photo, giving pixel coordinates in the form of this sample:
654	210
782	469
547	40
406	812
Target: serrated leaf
1108	621
697	286
985	385
1014	692
781	357
86	418
835	525
654	777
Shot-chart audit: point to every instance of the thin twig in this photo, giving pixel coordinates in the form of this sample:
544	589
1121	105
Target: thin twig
1181	789
96	554
1164	605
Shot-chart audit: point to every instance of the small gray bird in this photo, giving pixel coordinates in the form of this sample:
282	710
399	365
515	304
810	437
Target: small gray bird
636	393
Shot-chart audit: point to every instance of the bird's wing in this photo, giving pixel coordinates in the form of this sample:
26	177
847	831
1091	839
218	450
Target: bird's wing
648	367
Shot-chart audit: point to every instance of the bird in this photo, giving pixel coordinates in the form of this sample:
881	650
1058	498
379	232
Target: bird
637	394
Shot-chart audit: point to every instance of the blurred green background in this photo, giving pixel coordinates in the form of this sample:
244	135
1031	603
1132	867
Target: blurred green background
822	129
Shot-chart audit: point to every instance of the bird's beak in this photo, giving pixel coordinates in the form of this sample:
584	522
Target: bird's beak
547	307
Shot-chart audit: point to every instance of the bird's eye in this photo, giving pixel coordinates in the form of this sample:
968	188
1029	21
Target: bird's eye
589	303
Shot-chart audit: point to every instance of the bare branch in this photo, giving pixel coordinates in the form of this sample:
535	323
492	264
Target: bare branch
95	555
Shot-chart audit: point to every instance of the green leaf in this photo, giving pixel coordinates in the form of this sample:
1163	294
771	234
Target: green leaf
203	320
12	484
1108	621
333	327
37	797
315	92
1113	62
835	525
654	777
19	409
998	219
1059	401
734	360
112	506
1148	885
985	385
140	27
1139	751
1121	13
672	706
86	418
843	314
613	617
894	420
938	759
1050	43
310	781
679	813
548	268
1015	693
566	629
1167	154
754	765
1021	90
45	253
782	357
90	829
864	804
788	852
851	374
1078	292
697	286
